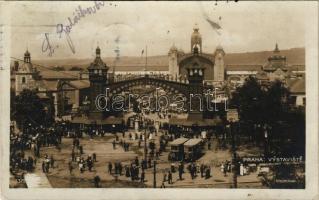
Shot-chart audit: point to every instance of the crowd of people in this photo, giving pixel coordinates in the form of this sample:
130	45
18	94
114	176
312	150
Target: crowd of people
33	138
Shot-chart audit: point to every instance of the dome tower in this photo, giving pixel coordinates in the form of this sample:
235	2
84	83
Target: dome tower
196	39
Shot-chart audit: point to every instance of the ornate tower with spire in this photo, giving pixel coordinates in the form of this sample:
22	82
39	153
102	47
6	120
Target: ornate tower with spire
26	75
219	66
172	61
196	39
275	61
98	79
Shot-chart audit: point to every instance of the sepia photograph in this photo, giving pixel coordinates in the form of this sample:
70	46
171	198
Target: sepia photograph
160	95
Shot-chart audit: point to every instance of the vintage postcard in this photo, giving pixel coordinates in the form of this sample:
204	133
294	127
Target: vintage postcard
159	99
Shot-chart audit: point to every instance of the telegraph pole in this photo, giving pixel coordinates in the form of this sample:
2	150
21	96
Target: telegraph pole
145	67
145	146
154	174
232	116
234	155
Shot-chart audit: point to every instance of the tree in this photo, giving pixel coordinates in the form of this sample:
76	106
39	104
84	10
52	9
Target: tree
262	108
58	68
276	103
249	100
28	108
76	69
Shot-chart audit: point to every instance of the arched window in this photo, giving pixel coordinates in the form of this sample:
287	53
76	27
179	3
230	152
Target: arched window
200	72
23	80
191	72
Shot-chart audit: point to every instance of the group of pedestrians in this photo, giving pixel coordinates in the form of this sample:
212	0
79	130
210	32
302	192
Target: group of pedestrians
20	162
47	163
118	168
32	138
195	169
225	167
168	177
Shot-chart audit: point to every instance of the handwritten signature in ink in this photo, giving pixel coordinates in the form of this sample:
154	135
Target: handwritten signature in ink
62	29
46	45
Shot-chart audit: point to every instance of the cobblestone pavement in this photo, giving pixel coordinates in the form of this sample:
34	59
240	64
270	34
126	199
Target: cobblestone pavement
60	177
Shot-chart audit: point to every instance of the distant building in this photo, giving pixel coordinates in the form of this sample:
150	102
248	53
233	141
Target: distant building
26	76
213	64
297	88
71	90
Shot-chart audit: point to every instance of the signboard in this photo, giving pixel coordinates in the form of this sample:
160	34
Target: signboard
232	115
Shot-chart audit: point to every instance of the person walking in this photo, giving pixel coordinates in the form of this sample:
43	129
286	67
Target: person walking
202	170
164	177
73	155
81	166
97	181
70	168
170	178
81	149
110	168
225	170
43	167
207	173
90	164
120	168
113	144
132	172
209	145
180	172
127	171
52	161
142	176
136	161
222	168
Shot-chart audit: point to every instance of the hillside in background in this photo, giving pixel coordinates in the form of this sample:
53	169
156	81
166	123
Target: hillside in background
295	56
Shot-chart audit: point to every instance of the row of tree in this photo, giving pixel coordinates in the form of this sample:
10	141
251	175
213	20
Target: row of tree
28	108
268	112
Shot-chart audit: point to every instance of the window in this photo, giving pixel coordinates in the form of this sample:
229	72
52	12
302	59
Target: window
200	72
23	80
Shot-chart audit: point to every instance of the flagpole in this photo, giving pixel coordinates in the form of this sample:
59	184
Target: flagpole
145	59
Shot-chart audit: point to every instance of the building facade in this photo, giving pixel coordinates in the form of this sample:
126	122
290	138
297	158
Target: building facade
26	76
213	64
72	90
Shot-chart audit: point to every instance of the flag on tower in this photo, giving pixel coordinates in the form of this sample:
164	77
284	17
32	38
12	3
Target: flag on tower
213	24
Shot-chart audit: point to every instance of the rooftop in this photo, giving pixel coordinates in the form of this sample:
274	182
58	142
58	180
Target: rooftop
179	141
192	142
297	86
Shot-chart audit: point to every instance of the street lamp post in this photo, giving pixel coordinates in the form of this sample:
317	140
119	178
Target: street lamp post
145	147
234	156
154	174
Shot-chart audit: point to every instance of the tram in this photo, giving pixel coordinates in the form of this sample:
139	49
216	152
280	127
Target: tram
177	149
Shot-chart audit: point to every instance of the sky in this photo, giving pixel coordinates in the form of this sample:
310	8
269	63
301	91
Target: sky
131	26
